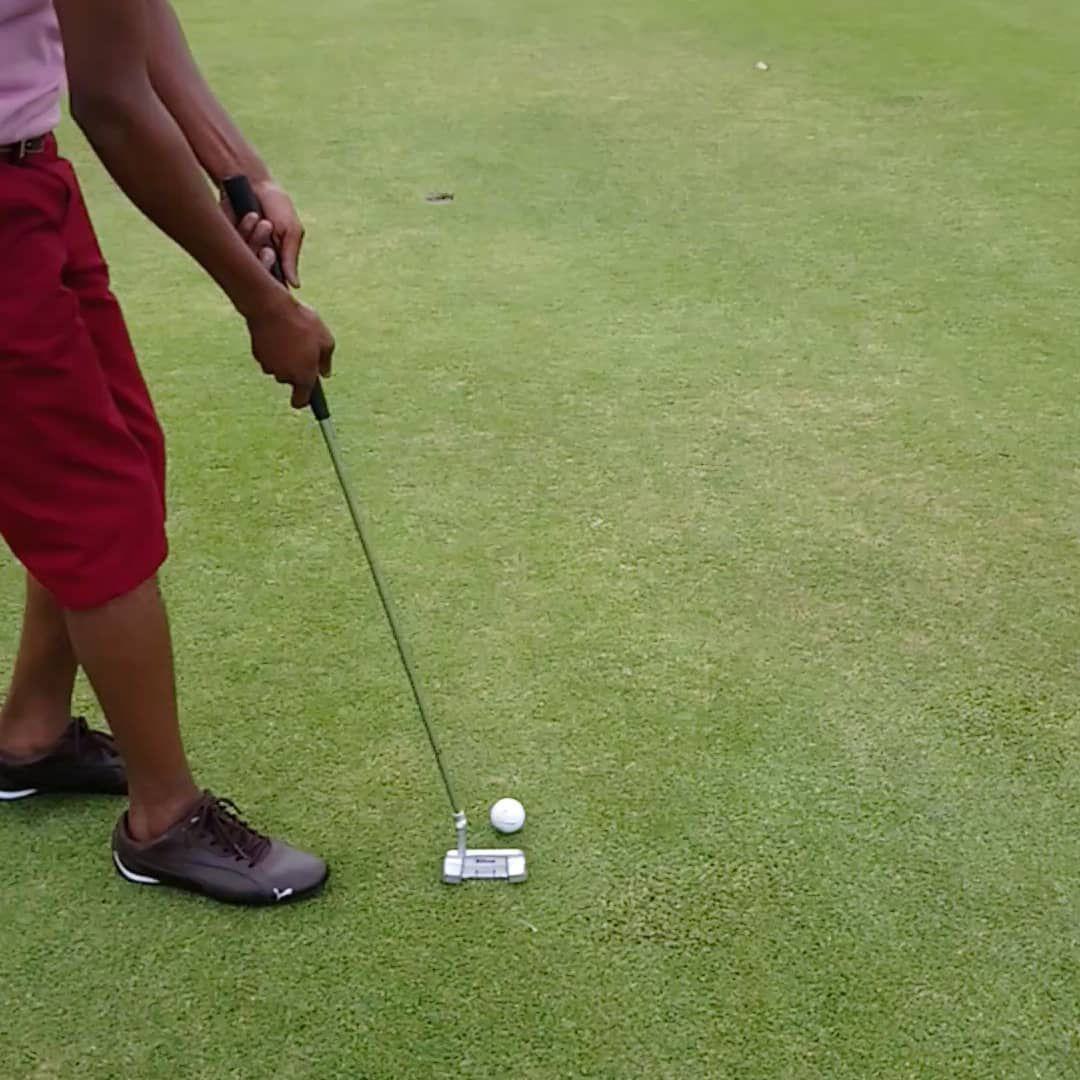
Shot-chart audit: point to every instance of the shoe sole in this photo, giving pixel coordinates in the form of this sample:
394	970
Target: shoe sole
288	896
25	793
12	796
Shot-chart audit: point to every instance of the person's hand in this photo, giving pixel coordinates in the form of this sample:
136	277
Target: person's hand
291	343
277	234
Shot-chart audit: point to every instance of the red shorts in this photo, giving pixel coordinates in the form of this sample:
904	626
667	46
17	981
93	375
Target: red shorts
82	458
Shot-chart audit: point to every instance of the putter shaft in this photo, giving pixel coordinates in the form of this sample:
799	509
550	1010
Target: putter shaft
326	425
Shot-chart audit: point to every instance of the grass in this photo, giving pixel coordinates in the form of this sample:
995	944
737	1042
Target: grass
720	443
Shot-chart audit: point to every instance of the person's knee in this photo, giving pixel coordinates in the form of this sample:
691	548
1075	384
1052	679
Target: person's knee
147	591
126	565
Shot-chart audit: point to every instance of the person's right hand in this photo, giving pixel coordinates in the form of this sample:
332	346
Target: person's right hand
292	344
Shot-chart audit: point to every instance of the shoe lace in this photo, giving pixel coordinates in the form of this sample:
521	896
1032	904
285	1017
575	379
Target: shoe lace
219	820
84	739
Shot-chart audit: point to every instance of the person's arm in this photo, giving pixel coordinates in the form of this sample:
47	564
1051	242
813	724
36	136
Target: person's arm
219	145
112	100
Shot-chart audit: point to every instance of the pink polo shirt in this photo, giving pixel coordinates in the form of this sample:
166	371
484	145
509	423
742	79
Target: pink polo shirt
31	69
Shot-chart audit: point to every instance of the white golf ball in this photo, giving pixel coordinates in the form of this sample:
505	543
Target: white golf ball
508	815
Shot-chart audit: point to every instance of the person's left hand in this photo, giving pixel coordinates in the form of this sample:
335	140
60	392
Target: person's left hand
277	234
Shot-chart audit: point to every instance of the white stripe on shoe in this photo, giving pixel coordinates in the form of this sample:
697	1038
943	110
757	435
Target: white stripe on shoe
11	796
130	875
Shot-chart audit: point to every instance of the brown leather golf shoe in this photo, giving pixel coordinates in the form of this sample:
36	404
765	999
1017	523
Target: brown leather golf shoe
83	761
212	851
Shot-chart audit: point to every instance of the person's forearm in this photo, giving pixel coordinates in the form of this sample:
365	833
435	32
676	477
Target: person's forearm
218	144
148	156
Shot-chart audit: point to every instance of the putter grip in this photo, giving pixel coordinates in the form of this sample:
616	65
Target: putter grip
244	201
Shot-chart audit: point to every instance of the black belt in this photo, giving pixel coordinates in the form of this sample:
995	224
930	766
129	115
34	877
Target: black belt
16	152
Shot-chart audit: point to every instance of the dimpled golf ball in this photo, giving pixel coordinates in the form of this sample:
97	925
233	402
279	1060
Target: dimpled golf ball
508	815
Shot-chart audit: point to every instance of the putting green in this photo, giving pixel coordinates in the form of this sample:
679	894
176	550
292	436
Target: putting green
719	439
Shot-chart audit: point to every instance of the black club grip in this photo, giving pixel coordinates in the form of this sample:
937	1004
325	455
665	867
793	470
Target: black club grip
244	201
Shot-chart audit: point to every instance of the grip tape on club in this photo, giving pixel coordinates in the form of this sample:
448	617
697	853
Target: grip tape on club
244	201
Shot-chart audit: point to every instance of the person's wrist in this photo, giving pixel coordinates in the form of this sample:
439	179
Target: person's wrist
262	298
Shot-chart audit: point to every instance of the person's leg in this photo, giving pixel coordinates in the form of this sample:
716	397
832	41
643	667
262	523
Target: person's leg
124	648
37	709
80	498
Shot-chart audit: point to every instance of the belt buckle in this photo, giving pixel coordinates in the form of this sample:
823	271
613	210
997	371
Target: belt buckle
24	147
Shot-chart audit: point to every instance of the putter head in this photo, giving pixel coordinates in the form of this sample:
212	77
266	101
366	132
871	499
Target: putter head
483	864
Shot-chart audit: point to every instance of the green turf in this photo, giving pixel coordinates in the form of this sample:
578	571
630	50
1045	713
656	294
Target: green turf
720	440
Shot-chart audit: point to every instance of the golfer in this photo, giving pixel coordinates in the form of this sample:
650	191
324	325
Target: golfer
82	459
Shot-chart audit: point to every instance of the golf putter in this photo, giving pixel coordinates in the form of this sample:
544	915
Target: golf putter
461	862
